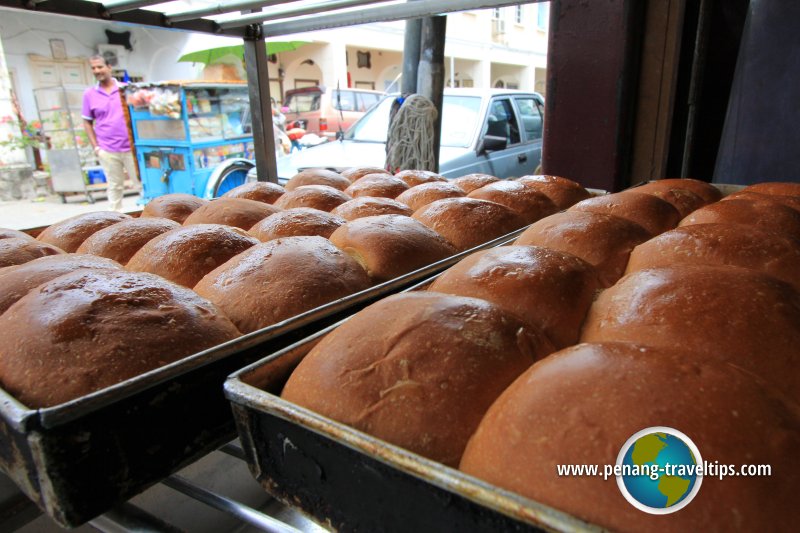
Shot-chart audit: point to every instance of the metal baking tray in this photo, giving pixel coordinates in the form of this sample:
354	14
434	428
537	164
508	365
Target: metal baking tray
349	481
78	459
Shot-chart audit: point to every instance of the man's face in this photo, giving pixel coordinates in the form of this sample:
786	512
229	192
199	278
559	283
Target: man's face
100	70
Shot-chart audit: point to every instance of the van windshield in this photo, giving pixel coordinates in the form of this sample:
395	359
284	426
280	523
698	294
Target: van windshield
459	121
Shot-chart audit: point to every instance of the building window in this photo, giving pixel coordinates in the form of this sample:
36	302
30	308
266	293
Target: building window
496	13
518	14
543	15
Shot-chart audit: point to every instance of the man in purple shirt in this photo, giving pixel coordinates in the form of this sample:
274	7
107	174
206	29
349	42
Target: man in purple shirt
104	122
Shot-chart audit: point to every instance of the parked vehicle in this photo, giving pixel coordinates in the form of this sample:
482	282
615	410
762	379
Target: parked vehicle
492	131
326	111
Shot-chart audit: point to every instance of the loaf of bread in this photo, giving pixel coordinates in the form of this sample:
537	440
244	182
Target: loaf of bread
469	222
416	370
653	214
368	206
684	200
356	173
318	176
548	289
16	281
704	190
531	204
301	221
777	188
16	251
260	191
722	313
282	278
87	330
381	185
174	206
562	191
421	195
123	239
236	212
186	254
70	233
581	405
6	233
319	197
412	178
721	244
766	215
788	201
388	246
470	182
604	241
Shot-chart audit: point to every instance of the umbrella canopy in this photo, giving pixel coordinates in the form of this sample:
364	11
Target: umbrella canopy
212	55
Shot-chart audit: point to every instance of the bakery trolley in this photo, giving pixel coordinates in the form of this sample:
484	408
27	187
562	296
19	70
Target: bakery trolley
215	494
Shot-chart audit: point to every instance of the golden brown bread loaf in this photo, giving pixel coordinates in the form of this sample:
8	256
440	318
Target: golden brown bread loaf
16	251
562	191
721	244
531	204
356	173
548	289
470	182
653	214
381	185
416	370
581	405
89	329
604	241
236	212
469	222
412	178
70	233
317	176
280	279
16	281
6	233
718	312
421	195
704	190
174	206
319	197
260	191
123	239
368	206
301	221
186	254
769	216
684	200
788	201
388	246
775	188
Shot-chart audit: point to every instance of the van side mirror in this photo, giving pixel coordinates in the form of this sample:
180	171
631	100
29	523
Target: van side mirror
492	143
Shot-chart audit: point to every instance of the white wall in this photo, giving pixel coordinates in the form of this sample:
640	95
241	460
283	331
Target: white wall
154	56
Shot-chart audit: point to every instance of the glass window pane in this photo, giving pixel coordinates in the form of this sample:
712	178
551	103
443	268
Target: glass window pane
531	116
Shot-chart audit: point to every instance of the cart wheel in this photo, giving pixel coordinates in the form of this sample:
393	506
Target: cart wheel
63	198
90	198
227	176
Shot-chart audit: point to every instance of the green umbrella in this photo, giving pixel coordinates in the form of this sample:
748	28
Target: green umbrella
212	55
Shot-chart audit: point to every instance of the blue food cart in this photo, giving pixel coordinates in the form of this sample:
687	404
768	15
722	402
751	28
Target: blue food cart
191	137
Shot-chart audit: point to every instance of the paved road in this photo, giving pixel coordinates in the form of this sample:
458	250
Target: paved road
26	214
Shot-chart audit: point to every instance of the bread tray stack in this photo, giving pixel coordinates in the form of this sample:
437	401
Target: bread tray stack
78	459
350	481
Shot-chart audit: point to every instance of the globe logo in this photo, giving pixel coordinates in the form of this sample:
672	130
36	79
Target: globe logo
658	470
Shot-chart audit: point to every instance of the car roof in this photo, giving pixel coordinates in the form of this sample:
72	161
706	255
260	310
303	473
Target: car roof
463	91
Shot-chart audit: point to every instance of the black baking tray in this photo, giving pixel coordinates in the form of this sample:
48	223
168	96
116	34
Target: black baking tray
350	481
78	459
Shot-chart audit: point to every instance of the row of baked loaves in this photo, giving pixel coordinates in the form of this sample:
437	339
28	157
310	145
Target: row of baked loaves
557	349
126	316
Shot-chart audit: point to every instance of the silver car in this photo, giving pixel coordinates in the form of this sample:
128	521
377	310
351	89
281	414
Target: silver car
491	131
